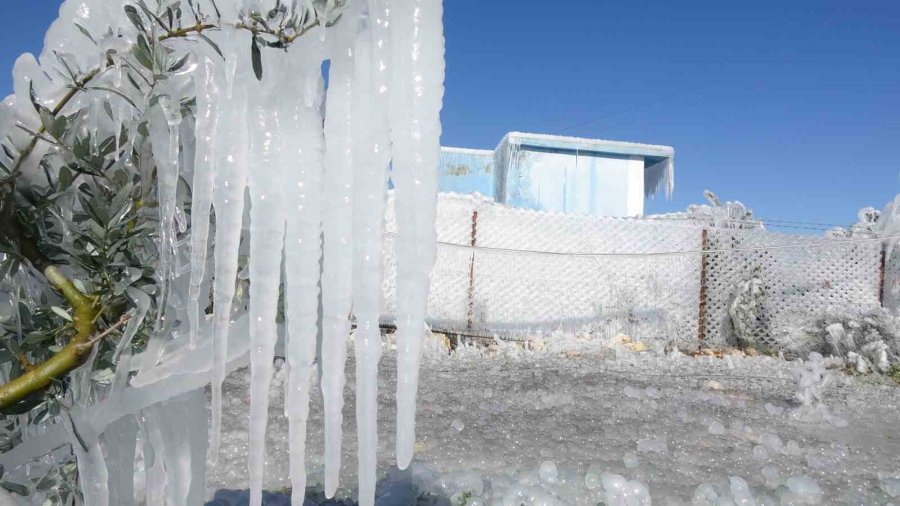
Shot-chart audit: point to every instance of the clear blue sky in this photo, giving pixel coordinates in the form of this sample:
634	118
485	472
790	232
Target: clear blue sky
791	107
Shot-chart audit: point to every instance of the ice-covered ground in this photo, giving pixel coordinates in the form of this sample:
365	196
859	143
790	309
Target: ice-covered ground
574	421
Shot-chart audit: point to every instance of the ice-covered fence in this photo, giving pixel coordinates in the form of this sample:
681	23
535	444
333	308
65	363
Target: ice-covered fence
513	271
801	277
509	271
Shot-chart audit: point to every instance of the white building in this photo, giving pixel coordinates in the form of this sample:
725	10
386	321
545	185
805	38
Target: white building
562	174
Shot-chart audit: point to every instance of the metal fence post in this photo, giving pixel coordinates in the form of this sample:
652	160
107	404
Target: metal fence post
701	323
470	314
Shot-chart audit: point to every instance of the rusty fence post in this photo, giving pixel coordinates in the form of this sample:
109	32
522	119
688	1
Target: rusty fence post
470	313
701	321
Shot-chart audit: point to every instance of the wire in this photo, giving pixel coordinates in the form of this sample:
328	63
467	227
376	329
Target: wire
642	105
665	253
829	225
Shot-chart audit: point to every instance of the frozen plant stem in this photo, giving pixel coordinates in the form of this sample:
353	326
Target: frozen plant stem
83	314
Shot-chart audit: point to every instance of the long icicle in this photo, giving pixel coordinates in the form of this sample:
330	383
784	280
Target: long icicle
337	275
208	96
267	222
371	157
228	202
416	100
303	253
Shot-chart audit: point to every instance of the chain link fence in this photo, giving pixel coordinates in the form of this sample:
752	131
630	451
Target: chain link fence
516	272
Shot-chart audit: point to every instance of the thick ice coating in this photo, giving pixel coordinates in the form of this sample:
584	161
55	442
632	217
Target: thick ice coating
314	187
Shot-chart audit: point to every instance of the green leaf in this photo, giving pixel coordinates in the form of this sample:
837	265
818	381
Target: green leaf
60	125
135	17
65	178
20	408
216	7
47	118
36	338
256	56
61	313
212	44
33	95
180	63
9	267
116	92
86	33
142	52
15	488
46	482
335	21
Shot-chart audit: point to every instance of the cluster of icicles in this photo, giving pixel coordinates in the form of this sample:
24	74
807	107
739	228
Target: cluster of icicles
317	186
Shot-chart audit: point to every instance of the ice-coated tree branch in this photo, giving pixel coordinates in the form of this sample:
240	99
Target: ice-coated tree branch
278	28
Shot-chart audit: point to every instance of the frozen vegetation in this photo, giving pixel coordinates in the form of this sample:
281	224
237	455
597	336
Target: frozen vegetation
575	419
236	104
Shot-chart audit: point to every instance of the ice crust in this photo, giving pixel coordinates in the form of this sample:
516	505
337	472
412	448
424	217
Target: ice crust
556	427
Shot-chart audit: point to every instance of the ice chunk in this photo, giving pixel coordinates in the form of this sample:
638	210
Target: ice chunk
716	428
548	472
740	492
593	477
806	488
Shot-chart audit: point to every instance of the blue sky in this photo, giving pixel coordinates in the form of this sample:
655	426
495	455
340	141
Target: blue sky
791	107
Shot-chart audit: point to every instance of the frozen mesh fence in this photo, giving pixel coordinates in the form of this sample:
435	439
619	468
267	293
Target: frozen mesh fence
798	283
509	271
890	288
533	272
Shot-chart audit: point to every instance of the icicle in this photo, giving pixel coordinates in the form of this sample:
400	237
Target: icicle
154	453
338	246
93	474
208	102
371	158
303	252
120	441
186	163
228	202
418	76
180	426
164	123
267	222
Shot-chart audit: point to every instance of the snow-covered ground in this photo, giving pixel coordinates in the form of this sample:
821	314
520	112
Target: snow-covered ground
579	421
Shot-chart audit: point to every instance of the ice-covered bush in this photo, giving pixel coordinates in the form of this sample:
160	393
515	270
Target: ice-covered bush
730	214
869	342
746	310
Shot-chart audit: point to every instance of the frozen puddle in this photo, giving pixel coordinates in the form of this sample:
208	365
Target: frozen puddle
578	426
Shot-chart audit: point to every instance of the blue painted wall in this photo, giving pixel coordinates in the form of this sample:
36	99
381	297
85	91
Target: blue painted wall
467	171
